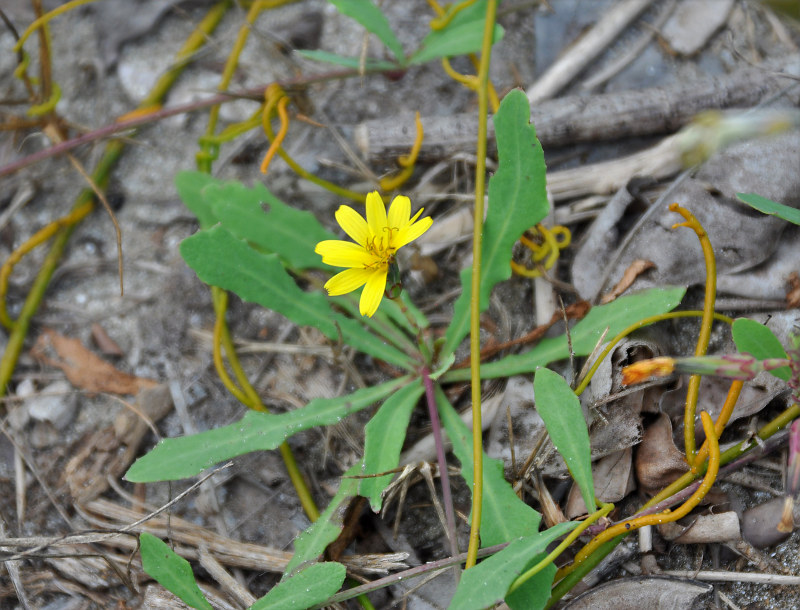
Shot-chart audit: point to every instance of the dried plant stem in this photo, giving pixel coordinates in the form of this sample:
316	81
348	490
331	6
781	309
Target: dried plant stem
475	312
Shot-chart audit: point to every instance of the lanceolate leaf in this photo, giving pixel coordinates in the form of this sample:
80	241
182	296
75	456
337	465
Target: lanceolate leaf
179	458
260	218
487	583
311	543
171	571
464	34
563	417
505	516
517	201
616	316
767	206
309	587
758	341
371	17
220	259
384	436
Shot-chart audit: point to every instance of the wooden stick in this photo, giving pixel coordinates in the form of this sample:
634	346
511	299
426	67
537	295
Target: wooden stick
581	118
586	50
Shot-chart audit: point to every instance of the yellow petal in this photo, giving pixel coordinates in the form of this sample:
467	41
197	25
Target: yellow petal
399	212
343	254
353	224
376	214
373	292
347	281
410	233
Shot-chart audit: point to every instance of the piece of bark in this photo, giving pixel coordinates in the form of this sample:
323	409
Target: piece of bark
581	118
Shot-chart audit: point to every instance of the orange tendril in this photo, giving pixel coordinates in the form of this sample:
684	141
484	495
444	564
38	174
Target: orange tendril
693	387
278	141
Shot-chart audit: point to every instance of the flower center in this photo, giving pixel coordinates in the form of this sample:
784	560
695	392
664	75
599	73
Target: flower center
380	246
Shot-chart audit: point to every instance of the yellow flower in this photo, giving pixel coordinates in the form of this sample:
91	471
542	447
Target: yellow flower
377	239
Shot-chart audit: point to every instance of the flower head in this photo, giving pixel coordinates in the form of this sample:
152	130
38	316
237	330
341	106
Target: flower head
377	239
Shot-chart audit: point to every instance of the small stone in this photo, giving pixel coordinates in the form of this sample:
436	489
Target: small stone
56	404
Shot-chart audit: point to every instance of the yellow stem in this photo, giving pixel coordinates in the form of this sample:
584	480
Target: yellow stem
722	420
407	162
573	535
475	311
37	23
693	388
38	238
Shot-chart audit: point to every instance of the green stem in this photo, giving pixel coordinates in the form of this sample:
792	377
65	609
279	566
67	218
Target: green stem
100	176
475	311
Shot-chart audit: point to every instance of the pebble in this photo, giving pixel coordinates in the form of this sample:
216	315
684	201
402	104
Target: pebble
55	403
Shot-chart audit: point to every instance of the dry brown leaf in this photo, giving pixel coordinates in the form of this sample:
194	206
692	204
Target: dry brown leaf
658	461
634	270
83	368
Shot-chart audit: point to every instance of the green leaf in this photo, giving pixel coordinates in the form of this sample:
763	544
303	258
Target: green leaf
221	259
563	417
486	584
371	17
534	593
190	187
517	201
370	65
309	587
355	335
464	34
767	206
616	316
312	542
171	571
185	456
257	216
505	516
384	436
758	341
